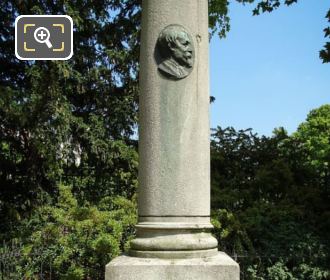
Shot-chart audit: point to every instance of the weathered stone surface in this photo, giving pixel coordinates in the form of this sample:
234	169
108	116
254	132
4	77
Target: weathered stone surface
219	267
173	242
174	148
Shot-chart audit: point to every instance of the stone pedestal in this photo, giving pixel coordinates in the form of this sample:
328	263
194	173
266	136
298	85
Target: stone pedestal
218	267
172	239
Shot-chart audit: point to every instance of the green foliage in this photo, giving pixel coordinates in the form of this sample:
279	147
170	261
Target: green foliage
279	271
230	232
314	134
270	199
69	121
269	5
75	241
218	17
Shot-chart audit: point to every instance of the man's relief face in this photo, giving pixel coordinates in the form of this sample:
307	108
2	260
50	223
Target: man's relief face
175	52
182	50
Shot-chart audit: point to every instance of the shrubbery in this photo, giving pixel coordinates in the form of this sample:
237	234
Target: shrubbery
270	199
71	241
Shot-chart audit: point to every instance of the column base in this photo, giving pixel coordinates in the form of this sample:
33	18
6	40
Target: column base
218	267
173	240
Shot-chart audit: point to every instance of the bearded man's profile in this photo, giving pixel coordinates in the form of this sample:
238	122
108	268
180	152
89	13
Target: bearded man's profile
176	49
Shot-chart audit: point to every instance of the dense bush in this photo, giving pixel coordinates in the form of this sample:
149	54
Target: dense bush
270	199
72	241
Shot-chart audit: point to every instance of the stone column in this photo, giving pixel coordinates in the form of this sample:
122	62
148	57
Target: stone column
174	150
174	147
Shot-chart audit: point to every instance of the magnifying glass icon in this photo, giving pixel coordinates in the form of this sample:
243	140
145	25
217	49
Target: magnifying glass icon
41	35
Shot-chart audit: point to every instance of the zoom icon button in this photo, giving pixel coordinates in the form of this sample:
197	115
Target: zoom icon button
39	36
46	37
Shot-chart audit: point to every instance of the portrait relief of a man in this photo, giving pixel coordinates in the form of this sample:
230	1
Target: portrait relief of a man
177	52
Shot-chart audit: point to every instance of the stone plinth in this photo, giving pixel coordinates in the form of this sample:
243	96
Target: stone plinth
218	267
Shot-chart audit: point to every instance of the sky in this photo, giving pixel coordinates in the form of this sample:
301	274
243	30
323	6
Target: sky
267	73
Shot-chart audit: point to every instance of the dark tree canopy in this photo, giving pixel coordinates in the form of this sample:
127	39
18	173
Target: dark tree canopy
271	199
69	121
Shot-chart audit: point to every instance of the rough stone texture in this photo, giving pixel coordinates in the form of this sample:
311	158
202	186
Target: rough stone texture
174	150
177	239
174	147
219	267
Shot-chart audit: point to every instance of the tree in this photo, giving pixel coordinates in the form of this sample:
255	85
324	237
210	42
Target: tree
315	134
69	121
270	199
